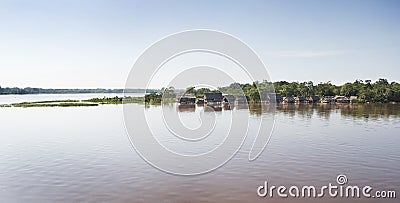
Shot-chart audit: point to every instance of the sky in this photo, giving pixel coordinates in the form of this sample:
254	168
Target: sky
94	43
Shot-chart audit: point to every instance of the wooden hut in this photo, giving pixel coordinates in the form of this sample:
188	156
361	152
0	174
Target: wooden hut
341	99
227	98
242	99
327	100
200	101
186	99
313	99
274	97
300	99
289	100
212	97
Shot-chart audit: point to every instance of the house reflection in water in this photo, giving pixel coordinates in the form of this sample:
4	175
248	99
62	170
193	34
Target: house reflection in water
305	110
242	106
227	106
186	107
211	108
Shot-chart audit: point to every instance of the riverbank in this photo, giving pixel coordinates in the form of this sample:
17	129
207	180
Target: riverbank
77	103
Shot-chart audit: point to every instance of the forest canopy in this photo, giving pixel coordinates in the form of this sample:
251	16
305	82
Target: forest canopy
365	91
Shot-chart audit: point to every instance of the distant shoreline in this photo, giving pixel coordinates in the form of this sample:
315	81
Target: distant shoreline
29	90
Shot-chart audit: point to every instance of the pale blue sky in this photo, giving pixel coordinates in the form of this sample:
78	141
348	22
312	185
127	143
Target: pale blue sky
88	44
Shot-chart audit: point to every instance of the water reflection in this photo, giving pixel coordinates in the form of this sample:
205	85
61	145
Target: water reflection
212	107
186	108
355	111
89	159
227	107
307	111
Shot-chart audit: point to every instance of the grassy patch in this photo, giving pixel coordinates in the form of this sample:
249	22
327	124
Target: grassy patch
75	103
116	100
55	101
36	104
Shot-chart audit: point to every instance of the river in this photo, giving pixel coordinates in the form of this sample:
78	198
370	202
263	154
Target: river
83	154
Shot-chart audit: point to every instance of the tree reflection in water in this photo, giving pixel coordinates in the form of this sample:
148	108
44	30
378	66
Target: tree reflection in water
308	111
357	111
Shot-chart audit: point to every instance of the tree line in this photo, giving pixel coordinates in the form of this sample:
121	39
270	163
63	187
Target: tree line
365	91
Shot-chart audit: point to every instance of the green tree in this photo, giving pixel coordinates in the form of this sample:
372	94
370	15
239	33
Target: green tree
190	90
200	92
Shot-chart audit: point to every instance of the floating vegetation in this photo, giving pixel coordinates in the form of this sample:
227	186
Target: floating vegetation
47	104
77	103
55	101
116	100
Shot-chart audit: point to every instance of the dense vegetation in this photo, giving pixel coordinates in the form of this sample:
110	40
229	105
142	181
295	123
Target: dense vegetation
379	91
199	93
153	98
366	91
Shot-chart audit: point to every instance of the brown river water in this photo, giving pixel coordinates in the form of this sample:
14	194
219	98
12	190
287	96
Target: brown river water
83	154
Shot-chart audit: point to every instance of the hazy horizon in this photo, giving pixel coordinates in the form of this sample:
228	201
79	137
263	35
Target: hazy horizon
91	44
